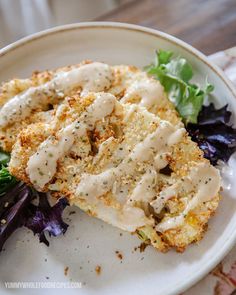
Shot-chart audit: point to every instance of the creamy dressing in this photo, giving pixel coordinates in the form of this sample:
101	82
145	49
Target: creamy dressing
132	109
203	181
90	77
149	91
42	165
93	77
161	161
145	189
176	136
159	141
120	191
91	187
164	196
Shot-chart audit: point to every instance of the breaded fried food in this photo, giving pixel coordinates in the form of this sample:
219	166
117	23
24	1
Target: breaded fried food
26	101
123	156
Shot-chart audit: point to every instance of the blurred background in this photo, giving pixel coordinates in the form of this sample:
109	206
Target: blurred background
19	18
209	25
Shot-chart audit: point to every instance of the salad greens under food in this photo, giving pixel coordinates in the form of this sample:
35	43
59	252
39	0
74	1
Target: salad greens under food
17	209
213	133
175	75
207	126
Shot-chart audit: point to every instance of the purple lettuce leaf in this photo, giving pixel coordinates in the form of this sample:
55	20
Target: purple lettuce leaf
44	218
210	115
13	212
17	210
213	133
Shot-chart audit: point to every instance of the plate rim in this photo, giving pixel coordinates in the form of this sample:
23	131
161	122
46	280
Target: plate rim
229	243
125	26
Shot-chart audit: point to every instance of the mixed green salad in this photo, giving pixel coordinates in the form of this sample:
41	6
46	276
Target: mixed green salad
208	126
17	209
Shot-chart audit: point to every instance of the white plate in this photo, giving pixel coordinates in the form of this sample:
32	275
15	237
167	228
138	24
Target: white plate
89	242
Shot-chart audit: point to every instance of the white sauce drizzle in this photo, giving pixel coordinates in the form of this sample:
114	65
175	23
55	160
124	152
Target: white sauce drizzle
160	161
145	189
151	93
91	187
91	77
159	141
164	196
42	165
203	181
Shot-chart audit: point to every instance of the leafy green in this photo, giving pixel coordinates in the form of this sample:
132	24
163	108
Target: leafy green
6	179
13	210
214	134
163	57
4	158
175	75
17	210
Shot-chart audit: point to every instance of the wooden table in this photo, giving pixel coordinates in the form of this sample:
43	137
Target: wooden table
209	25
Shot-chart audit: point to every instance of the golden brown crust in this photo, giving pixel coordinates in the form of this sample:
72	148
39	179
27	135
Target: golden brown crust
184	155
15	86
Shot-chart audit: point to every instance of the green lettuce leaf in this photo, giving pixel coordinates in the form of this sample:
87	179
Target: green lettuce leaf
6	179
17	210
175	75
4	158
